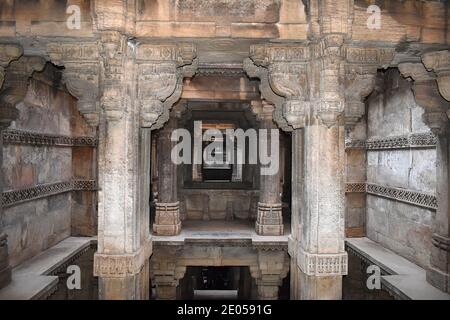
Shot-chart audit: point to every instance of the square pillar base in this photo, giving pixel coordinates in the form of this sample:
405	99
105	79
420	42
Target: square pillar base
269	221
167	220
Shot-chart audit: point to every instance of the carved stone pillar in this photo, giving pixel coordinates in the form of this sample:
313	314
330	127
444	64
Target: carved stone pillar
269	221
436	108
13	91
124	237
269	273
167	219
306	84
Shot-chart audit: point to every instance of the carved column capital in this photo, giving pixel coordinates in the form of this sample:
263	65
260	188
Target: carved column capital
161	68
81	75
16	86
439	62
427	95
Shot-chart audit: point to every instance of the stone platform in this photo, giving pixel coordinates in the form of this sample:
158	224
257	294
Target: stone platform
33	279
403	279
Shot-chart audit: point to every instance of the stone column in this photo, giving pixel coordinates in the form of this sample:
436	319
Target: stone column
430	95
269	221
321	86
167	220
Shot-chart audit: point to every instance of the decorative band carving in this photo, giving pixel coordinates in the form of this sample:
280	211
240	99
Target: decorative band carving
323	264
416	140
416	198
14	197
121	265
12	136
404	195
355	187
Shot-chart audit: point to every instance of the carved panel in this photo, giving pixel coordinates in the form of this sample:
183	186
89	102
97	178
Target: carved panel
120	265
321	264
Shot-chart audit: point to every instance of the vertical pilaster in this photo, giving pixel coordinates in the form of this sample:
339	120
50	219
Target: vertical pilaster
437	117
269	221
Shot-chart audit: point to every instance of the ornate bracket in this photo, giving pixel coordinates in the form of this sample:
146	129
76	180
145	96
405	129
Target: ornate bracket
360	78
427	96
283	74
161	69
439	62
81	75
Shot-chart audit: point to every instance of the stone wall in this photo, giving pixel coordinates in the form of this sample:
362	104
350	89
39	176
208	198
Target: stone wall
35	225
402	227
219	204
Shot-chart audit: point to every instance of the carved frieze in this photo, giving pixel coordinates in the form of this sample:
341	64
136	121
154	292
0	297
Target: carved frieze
404	195
415	140
14	197
81	75
12	136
